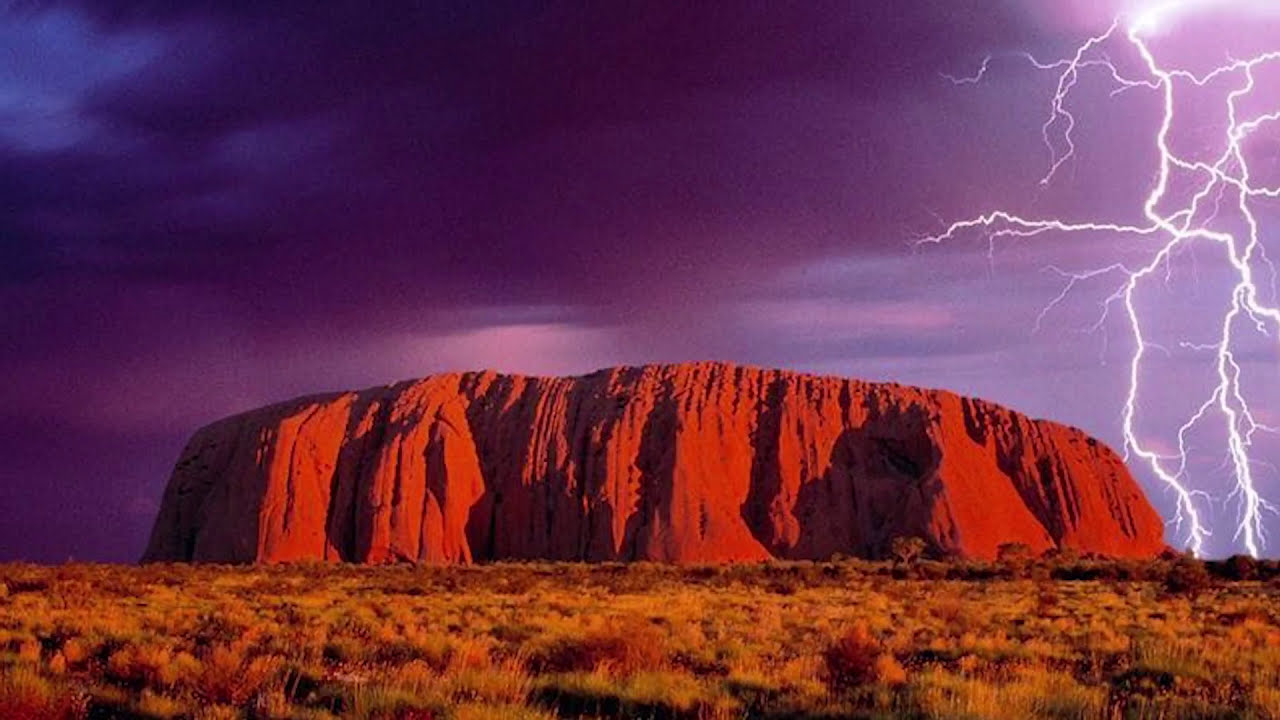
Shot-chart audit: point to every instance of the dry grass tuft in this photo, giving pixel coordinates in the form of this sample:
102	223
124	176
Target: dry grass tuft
25	695
228	675
623	647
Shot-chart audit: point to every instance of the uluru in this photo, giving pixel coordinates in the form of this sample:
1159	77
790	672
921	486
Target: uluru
705	462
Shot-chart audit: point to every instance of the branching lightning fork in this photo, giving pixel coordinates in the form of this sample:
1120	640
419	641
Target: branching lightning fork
1228	176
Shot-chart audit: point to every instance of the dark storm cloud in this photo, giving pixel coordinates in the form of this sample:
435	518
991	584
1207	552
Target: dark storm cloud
618	144
344	168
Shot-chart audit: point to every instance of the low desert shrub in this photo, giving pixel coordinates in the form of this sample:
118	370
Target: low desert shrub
1186	576
140	666
857	658
74	652
29	651
160	707
645	694
1029	693
622	647
24	695
1236	568
384	702
229	676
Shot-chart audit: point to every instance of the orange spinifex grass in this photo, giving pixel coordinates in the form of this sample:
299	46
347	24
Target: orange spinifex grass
1060	638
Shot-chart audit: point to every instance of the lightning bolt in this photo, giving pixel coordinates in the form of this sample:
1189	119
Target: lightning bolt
1227	176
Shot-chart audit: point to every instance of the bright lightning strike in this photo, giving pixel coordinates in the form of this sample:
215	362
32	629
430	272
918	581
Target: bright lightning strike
1228	177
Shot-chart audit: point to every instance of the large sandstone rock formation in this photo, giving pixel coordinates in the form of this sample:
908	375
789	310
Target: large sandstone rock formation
686	463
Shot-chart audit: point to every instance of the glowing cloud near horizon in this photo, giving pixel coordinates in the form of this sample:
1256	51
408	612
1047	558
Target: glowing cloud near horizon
1217	187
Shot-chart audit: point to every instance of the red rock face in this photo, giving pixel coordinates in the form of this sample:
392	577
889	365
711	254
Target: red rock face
685	463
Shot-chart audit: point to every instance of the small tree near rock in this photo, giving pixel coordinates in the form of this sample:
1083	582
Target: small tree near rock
907	550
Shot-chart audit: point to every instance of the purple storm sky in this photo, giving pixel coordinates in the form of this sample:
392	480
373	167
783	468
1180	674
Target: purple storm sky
209	209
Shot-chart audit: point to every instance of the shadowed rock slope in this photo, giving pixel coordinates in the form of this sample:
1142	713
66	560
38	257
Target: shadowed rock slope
687	463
